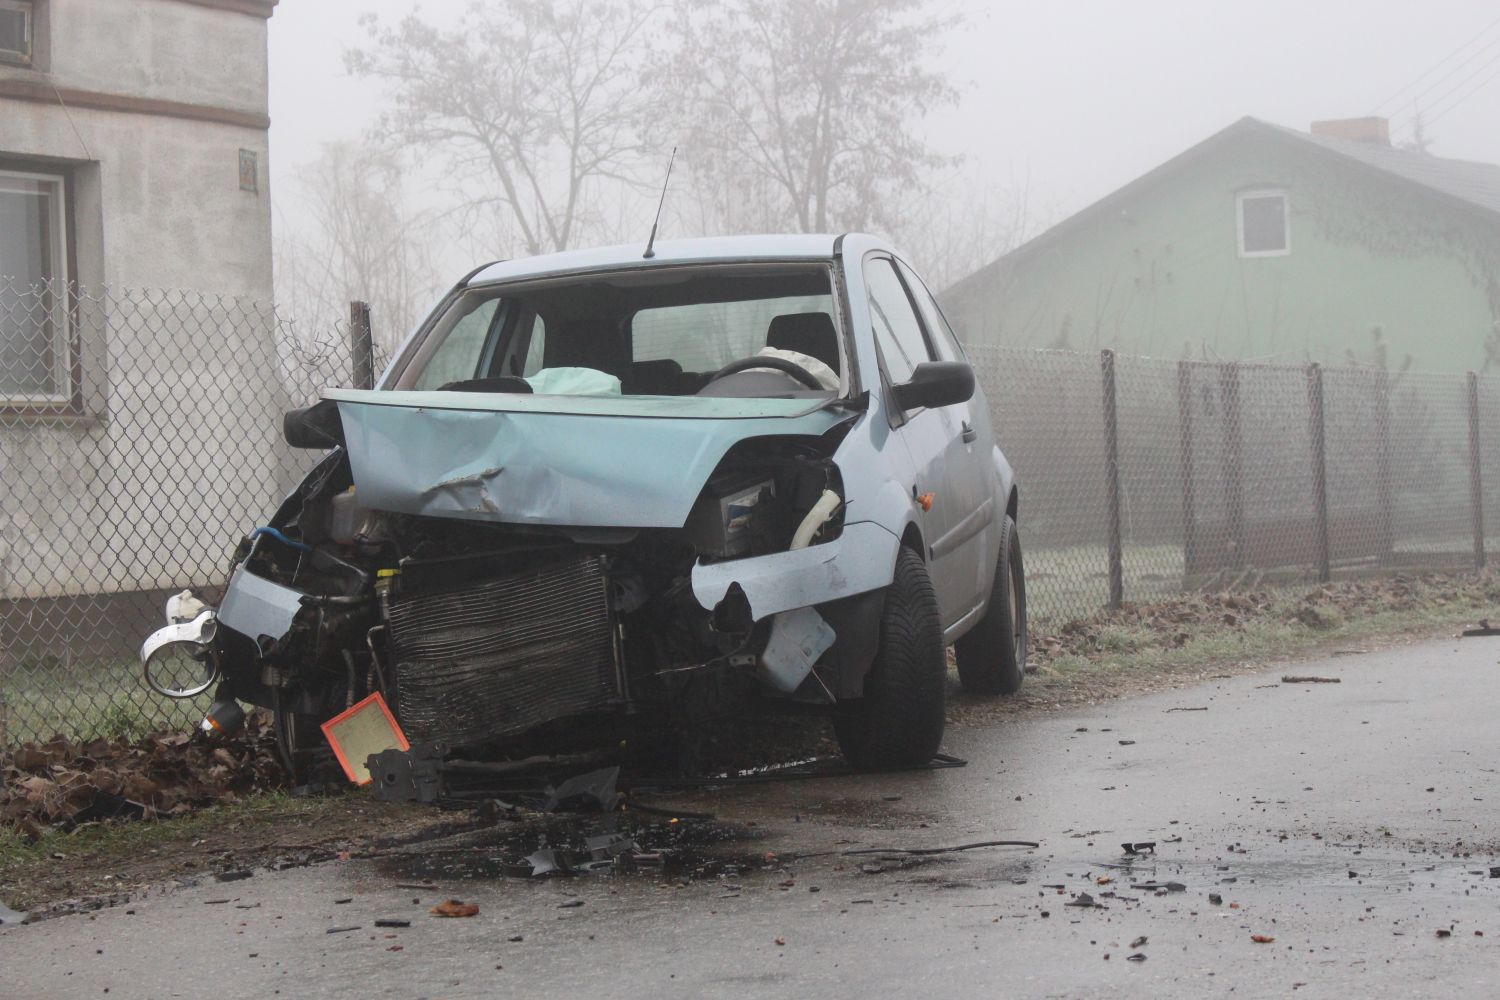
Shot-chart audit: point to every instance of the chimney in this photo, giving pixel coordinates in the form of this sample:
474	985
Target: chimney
1376	131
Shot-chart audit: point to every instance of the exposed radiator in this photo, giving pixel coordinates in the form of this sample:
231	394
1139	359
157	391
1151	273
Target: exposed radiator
500	657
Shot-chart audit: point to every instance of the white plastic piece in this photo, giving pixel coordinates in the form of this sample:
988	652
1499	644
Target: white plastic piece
815	519
195	635
184	607
797	639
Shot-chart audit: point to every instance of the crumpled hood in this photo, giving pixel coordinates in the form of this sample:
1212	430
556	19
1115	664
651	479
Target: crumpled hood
608	462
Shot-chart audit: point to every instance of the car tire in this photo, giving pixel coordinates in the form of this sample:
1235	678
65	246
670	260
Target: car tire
992	655
899	721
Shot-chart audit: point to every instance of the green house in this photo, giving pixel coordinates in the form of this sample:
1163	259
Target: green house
1266	243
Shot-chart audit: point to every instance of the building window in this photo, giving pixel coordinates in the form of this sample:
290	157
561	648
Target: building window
17	31
34	355
1264	227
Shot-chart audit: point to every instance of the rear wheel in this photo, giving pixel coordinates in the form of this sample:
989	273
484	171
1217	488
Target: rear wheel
992	655
899	721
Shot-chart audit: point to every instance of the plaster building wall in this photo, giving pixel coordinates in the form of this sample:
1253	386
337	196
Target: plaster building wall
145	107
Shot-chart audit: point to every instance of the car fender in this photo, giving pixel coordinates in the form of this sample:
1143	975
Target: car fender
861	559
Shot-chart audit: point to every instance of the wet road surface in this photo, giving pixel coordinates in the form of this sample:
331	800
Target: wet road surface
1350	822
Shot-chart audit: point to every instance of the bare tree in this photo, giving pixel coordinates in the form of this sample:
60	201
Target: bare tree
959	222
356	238
537	103
804	112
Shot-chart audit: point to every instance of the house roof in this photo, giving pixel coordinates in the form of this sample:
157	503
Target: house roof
1472	185
1475	183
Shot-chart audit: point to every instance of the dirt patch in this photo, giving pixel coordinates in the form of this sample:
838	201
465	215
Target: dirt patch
106	864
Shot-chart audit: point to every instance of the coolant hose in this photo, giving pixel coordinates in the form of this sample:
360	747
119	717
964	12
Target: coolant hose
815	519
282	538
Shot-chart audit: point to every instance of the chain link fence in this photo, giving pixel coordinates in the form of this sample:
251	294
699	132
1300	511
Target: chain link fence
1141	478
140	438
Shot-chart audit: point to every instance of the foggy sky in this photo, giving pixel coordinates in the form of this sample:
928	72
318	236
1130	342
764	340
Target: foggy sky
1071	100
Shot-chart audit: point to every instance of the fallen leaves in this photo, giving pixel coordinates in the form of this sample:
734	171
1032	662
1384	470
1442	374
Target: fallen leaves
1262	938
62	783
455	908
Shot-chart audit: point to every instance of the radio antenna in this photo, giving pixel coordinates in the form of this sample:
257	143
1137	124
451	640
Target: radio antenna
651	243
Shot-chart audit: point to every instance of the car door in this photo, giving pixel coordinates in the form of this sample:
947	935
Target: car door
970	468
932	438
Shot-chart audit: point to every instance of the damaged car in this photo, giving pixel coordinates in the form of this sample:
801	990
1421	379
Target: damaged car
602	489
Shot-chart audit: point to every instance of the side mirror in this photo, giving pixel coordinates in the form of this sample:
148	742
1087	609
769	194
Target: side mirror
315	426
936	383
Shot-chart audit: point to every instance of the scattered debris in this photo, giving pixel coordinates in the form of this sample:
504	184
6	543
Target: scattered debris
1140	847
1309	679
1139	942
342	930
1160	886
234	876
1262	938
1484	629
10	917
1200	708
454	908
591	792
1444	932
1084	901
926	850
392	922
1137	957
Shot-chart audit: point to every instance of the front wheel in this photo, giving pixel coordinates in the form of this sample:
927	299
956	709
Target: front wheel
992	655
899	721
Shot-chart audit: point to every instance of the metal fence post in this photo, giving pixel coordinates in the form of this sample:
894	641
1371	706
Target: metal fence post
1185	435
1385	503
1319	469
361	346
1234	483
1476	479
1112	481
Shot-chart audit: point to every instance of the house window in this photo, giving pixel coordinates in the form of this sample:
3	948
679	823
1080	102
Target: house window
17	31
33	288
1264	226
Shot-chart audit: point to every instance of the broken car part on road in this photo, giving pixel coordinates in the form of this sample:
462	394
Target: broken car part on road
597	495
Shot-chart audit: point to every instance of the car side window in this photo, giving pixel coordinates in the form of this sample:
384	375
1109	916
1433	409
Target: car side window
903	345
948	347
536	347
463	349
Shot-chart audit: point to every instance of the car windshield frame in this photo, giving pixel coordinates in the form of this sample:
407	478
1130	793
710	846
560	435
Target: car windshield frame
419	349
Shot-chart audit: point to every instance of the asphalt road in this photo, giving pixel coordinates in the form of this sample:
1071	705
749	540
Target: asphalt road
1350	822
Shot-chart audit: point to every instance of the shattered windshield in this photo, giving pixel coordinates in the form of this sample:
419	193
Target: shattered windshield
740	331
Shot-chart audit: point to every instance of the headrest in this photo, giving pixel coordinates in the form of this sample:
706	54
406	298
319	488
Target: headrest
809	333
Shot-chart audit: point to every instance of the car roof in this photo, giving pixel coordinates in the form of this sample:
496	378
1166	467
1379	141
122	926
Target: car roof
795	246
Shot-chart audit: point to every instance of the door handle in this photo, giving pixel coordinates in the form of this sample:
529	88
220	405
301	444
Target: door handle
969	432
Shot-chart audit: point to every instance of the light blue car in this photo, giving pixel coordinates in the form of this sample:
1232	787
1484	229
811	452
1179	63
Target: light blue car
602	489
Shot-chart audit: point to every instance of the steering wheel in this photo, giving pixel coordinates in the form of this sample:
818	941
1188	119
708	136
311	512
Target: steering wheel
782	365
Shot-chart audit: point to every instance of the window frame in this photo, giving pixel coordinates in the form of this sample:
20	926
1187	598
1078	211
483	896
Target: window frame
941	334
67	374
12	57
1286	221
